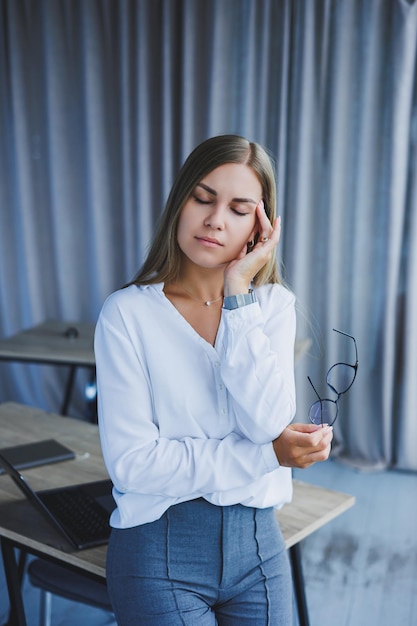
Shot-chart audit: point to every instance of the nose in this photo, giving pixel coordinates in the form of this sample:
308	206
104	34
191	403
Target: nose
215	219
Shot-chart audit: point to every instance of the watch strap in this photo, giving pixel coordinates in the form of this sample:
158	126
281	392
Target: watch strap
241	299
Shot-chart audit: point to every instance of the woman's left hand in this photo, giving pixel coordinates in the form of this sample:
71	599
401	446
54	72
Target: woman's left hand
240	272
301	445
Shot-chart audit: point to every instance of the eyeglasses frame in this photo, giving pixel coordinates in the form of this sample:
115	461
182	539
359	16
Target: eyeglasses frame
338	394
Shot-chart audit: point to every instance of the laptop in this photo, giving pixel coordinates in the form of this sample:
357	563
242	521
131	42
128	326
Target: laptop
80	512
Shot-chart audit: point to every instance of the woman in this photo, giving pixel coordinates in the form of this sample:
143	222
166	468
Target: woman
196	396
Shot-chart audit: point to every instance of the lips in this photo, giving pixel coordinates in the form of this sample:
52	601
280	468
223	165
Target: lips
208	241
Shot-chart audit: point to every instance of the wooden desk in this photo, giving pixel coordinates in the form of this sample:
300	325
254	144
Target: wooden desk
47	344
23	527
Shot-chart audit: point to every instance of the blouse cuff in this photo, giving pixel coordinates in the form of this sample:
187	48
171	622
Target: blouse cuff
270	458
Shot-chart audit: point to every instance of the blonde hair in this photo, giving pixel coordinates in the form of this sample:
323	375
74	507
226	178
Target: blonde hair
164	258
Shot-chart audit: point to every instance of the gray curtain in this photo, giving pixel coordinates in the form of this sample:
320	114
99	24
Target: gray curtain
102	100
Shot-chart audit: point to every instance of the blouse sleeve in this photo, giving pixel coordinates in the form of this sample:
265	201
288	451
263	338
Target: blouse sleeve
257	363
138	459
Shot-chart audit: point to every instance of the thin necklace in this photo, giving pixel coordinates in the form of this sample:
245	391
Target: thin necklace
205	302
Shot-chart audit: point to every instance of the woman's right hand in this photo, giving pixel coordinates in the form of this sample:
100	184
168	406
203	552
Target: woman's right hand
240	272
301	445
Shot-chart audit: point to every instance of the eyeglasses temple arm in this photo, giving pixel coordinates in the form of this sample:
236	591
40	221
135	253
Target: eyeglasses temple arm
354	341
315	390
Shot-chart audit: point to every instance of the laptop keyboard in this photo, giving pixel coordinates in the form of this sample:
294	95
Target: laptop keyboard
80	513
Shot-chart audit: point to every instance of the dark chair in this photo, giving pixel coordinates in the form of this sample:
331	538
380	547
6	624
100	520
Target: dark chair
53	579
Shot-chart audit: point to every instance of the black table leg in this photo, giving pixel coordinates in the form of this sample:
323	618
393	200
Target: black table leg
11	570
298	578
68	390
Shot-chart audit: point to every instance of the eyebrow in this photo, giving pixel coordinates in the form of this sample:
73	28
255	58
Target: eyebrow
214	193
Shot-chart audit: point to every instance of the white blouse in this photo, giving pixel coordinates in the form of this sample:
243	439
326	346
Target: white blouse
180	419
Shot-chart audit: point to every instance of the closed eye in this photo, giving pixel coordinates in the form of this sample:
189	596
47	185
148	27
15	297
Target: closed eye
236	211
201	201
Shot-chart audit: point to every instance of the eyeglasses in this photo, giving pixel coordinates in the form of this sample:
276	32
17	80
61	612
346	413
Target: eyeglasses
340	378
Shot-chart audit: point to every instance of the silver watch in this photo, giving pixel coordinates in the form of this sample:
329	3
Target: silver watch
241	299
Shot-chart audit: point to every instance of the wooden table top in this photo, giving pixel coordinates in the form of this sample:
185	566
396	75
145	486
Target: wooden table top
19	520
48	343
311	508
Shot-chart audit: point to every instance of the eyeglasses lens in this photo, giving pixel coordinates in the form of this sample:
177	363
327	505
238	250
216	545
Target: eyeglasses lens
340	377
323	412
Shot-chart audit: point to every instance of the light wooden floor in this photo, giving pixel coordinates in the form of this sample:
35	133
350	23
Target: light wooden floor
360	570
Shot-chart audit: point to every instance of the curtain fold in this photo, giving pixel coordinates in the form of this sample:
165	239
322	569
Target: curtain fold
100	103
